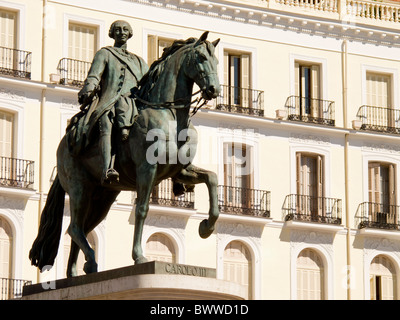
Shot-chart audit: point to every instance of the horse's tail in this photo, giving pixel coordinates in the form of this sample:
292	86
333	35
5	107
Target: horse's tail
45	247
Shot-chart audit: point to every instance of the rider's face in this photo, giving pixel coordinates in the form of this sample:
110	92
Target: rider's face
121	33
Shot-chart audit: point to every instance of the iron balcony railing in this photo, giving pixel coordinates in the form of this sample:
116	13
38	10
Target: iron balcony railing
12	288
312	209
311	110
241	100
379	119
244	201
163	195
377	215
16	63
73	72
16	173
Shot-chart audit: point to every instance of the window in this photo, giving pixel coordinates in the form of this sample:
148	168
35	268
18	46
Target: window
160	248
81	257
6	134
382	279
82	43
308	90
237	79
310	183
310	276
237	264
6	249
238	177
8	27
379	96
156	46
382	192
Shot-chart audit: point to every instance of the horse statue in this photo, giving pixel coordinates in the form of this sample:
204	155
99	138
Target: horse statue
152	153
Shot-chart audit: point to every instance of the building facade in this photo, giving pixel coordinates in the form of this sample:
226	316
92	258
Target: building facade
303	137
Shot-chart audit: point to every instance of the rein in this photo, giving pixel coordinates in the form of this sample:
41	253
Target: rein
175	104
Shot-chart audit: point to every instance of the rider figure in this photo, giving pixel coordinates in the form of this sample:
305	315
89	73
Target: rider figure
114	73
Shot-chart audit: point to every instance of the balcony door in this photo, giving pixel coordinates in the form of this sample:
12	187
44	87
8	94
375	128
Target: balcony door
237	174
378	95
308	91
8	40
237	79
381	191
309	184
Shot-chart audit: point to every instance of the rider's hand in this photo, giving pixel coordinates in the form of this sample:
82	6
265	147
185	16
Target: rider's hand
85	93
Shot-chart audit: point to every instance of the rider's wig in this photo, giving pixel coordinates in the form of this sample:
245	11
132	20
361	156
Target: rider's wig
112	27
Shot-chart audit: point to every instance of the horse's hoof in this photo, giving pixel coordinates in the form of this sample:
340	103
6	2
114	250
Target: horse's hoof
204	230
140	260
90	267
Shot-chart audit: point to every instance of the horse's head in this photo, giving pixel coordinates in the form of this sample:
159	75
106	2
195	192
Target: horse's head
202	67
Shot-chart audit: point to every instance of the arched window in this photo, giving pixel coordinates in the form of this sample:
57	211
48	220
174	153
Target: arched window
160	248
237	264
6	249
81	257
382	277
310	276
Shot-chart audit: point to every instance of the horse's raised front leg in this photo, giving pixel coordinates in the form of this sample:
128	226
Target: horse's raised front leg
194	175
144	185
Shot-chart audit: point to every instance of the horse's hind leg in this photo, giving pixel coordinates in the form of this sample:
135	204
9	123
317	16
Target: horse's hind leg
193	175
99	206
80	207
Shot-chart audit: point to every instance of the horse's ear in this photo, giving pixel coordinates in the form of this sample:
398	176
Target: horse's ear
215	42
202	38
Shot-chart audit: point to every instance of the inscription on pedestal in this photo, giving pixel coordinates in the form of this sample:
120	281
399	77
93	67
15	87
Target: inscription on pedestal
173	268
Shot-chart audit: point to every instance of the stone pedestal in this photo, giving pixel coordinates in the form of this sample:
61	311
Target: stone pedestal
148	281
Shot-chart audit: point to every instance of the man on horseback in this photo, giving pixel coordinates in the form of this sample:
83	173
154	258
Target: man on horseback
113	75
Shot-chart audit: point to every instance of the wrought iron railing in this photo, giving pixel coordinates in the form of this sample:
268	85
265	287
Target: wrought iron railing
163	195
16	63
379	119
311	110
312	209
241	100
244	201
12	288
73	72
377	215
16	173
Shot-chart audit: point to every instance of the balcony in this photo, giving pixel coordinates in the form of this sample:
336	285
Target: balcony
243	201
310	110
12	288
16	173
379	119
377	216
73	72
241	100
312	209
163	195
15	63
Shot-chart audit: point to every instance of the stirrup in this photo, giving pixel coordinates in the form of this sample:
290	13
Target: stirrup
110	176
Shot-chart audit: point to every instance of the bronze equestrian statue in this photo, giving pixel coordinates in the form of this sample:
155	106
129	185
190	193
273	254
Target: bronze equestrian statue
151	153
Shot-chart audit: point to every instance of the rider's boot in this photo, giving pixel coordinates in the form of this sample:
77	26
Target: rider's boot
109	174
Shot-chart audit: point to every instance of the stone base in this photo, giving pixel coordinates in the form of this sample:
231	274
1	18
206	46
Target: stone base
148	281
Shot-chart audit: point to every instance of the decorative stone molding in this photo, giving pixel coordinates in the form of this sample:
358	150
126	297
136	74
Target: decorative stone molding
309	139
12	94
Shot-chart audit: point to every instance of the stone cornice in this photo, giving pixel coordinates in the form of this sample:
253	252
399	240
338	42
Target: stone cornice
326	23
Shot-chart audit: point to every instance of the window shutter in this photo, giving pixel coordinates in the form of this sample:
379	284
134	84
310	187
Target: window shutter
297	101
245	80
82	42
151	49
315	92
6	134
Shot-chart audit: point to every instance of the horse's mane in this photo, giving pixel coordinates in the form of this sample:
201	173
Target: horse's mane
157	67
